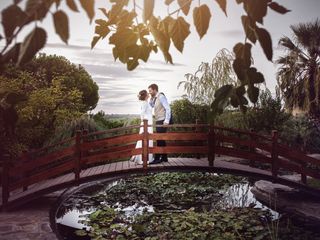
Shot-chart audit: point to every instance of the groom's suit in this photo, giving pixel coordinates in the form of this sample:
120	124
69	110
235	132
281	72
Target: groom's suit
162	113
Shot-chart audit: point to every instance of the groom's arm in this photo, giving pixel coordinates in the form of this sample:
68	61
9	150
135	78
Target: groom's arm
163	100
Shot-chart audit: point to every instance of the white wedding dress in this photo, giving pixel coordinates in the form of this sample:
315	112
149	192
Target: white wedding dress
146	113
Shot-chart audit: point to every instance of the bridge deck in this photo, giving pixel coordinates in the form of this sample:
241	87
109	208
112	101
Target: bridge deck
113	169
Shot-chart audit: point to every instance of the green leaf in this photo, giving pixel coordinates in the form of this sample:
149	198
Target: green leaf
88	6
12	17
178	32
278	8
185	6
94	41
72	5
32	44
201	19
223	5
253	93
148	6
265	41
249	28
61	24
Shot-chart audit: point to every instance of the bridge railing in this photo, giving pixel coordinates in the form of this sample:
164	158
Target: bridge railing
91	149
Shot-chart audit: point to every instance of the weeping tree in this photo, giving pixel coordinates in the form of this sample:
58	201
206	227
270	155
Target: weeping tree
299	68
201	86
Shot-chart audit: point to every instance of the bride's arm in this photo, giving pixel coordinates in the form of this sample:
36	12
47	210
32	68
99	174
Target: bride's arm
144	108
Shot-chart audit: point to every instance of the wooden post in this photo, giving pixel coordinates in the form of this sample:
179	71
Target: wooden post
145	145
5	180
252	149
303	175
77	158
197	130
274	154
211	145
84	153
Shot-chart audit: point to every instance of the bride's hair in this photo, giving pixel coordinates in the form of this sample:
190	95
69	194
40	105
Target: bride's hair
142	95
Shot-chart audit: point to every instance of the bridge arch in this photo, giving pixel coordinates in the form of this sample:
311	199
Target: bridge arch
88	157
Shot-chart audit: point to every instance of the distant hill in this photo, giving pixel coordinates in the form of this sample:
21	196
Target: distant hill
122	116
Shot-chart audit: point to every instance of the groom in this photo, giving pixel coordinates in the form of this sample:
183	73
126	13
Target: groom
162	112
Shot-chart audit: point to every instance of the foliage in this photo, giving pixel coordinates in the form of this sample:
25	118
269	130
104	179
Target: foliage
177	212
169	190
101	120
258	118
184	111
69	129
302	133
131	40
268	114
201	85
299	72
39	97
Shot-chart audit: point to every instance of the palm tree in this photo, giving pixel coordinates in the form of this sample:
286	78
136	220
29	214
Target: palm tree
299	74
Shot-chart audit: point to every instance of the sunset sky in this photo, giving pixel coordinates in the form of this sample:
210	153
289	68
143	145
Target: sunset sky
118	87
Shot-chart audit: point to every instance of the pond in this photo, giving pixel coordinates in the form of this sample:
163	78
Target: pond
171	206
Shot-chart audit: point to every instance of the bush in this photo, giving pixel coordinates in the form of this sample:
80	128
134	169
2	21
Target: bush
183	112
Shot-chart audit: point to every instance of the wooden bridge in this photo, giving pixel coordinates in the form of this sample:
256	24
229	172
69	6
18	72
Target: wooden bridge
192	147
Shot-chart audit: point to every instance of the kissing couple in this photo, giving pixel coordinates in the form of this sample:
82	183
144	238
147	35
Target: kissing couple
157	103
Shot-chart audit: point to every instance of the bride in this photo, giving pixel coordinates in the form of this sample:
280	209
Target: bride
146	113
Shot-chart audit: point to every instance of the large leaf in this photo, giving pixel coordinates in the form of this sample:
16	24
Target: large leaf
168	2
32	44
147	9
37	9
61	24
72	5
185	6
253	93
201	19
255	76
132	64
249	28
243	51
102	28
88	6
12	54
179	31
223	5
94	41
240	69
257	10
12	17
278	8
265	41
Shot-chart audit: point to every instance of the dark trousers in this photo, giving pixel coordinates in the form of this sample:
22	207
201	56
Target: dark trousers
161	143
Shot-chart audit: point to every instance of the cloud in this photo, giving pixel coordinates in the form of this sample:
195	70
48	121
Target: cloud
231	33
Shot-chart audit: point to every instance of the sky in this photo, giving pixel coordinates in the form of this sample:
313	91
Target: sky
118	87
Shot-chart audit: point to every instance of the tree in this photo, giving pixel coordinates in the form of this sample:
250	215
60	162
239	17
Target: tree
201	85
51	97
299	72
136	34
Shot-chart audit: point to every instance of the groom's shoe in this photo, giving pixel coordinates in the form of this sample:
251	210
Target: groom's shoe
156	161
